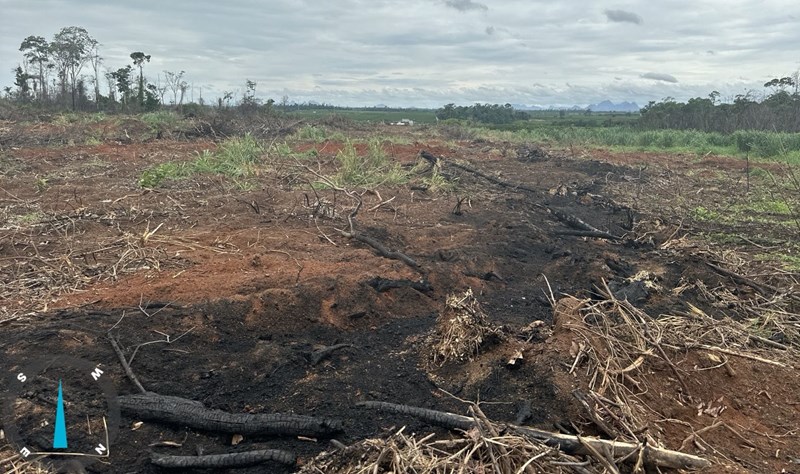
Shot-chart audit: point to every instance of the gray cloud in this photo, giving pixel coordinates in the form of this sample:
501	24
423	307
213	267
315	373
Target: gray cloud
366	52
465	5
622	16
657	76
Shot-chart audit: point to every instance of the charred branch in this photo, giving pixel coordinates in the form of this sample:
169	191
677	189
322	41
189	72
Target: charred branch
597	234
492	179
384	284
322	354
218	461
191	413
382	250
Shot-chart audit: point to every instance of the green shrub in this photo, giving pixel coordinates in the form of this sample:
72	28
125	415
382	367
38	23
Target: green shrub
369	170
160	120
152	177
235	158
312	133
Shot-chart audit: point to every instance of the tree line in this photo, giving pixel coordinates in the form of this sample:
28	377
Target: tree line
67	72
775	109
486	113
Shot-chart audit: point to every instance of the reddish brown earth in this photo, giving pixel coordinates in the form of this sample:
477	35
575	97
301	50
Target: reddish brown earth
254	283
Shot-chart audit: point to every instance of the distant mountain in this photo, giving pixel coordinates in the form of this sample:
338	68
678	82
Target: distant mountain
526	107
608	106
604	106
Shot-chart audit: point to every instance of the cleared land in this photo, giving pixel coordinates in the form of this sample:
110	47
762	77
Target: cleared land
270	266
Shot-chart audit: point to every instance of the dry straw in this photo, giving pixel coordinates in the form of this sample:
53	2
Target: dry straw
462	328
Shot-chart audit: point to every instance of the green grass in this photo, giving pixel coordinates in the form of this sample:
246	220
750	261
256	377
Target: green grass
764	208
437	183
772	206
369	170
26	219
701	213
790	262
318	134
69	118
775	146
235	158
161	120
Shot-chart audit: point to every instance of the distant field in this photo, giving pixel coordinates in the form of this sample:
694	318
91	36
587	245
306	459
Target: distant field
370	115
538	118
758	144
576	119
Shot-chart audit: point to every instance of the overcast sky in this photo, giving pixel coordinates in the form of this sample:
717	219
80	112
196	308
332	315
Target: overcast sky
432	52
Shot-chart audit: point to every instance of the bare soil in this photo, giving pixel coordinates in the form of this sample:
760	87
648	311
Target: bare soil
247	284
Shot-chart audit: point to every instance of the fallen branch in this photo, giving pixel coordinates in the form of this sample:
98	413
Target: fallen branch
191	413
492	179
593	415
322	354
353	234
125	365
381	249
743	355
384	284
578	224
216	461
599	234
762	288
432	159
570	444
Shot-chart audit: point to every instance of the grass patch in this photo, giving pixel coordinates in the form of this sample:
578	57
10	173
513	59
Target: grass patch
318	134
772	206
701	213
788	261
26	219
437	183
171	170
368	170
236	158
71	118
161	120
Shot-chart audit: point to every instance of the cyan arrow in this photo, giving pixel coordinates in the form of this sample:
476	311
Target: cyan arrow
60	435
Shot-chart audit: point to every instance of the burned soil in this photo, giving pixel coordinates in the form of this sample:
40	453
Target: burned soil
259	300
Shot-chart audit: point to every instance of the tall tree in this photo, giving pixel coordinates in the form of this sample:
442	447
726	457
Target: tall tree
21	81
139	58
95	60
36	50
122	79
70	50
111	82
